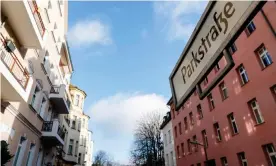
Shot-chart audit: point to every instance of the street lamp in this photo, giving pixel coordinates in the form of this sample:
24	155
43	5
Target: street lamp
197	143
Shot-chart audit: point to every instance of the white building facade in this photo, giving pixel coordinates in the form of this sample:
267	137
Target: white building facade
36	70
167	134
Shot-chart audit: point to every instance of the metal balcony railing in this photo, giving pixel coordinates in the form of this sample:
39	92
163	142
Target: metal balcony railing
15	67
48	127
37	17
58	90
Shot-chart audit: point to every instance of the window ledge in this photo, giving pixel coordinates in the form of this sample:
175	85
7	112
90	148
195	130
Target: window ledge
245	83
234	134
263	68
225	98
259	123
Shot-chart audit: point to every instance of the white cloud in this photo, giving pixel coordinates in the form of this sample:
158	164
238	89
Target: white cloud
89	32
119	113
178	17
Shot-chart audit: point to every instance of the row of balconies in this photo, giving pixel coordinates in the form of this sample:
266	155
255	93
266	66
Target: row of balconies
27	26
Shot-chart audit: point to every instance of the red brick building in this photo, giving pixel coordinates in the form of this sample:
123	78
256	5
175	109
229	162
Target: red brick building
237	120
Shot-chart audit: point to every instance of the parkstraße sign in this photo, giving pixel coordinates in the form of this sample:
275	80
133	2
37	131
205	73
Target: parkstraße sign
219	22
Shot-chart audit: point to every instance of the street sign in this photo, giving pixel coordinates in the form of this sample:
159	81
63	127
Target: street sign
219	23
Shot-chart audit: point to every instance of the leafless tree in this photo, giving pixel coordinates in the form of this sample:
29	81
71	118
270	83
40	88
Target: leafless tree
102	159
147	147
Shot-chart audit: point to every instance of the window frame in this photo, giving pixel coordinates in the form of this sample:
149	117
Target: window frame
175	131
178	151
199	111
186	123
232	48
257	107
223	91
211	101
182	149
224	161
189	146
233	122
264	53
250	24
270	154
242	158
191	116
273	91
217	132
241	73
204	137
179	128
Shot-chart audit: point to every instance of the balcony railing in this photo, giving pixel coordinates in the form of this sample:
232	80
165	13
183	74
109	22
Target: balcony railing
37	17
48	127
15	67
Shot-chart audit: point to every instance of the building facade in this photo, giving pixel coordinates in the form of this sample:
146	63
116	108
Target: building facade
167	134
236	121
36	70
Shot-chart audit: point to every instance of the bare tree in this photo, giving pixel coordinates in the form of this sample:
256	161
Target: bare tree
101	159
147	147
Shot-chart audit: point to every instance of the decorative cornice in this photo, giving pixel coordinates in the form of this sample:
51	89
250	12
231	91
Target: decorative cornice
21	118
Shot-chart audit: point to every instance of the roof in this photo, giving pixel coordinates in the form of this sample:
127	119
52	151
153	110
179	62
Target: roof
77	88
166	120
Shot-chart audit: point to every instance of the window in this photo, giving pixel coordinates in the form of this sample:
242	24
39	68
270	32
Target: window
232	49
205	82
199	111
189	146
84	139
167	159
223	91
186	123
20	151
179	127
233	123
217	131
211	101
250	28
217	67
256	111
42	107
81	140
204	138
264	56
195	145
70	148
271	153
224	161
74	122
46	63
273	91
165	140
198	164
243	75
191	118
178	152
31	155
182	149
242	159
76	148
79	158
175	131
77	100
47	15
83	122
170	137
35	96
79	124
172	162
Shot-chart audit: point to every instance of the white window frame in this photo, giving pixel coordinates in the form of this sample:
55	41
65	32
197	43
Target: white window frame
241	73
204	133
211	101
199	111
270	154
243	160
71	143
233	121
223	89
31	155
170	136
251	24
77	100
262	52
35	97
191	118
218	133
256	109
224	161
22	145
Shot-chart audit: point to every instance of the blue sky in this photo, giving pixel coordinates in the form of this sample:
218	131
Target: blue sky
123	54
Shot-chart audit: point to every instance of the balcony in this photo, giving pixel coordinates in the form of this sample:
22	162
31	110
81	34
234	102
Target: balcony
26	21
52	133
59	99
15	80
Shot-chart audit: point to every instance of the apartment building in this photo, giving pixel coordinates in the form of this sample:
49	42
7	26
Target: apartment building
167	134
36	70
236	121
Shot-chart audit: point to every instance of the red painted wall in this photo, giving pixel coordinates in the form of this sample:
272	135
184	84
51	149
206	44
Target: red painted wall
251	137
